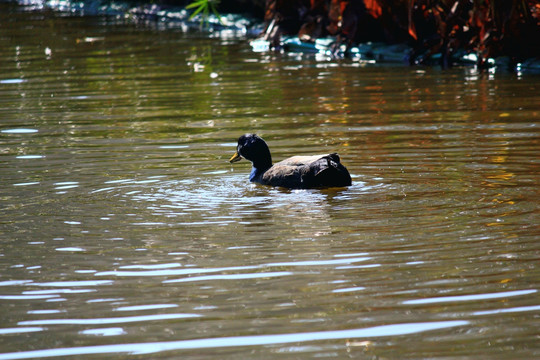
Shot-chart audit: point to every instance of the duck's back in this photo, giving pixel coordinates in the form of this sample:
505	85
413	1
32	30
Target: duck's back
301	172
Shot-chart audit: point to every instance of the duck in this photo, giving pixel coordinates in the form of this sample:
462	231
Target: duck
297	172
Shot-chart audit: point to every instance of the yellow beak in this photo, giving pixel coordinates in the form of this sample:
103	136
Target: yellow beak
236	157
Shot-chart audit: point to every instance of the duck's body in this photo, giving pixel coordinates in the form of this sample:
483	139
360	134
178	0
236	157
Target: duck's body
297	172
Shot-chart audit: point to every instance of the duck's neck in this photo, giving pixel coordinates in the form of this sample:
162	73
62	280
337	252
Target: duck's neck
259	169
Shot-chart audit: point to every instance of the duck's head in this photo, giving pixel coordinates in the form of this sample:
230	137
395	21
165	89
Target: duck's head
253	148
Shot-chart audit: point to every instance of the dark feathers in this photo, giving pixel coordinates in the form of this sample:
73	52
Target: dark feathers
297	172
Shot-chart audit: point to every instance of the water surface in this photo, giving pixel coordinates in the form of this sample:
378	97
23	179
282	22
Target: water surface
125	232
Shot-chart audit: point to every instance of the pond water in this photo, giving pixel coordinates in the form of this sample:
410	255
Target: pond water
125	232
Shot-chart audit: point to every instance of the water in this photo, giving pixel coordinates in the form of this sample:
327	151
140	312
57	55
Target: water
126	233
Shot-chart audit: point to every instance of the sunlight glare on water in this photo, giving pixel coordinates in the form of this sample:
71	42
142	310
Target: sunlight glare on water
126	232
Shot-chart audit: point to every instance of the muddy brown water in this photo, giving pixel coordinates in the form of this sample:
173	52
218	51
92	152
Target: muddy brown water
125	232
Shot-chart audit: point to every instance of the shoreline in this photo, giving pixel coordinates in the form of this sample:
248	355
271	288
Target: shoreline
255	30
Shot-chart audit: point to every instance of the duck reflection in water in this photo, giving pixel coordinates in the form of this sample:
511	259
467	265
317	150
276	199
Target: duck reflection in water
297	172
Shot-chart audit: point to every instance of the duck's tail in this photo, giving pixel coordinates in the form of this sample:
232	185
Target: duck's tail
331	172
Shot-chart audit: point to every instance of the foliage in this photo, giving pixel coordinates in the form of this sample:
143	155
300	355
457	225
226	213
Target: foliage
488	28
204	7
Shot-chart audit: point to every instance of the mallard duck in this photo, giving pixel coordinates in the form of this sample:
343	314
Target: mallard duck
297	172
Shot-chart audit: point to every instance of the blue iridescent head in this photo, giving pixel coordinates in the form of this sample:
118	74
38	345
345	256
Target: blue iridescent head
253	148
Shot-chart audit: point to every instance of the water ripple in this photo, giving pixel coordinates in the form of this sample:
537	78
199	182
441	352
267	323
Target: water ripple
19	131
19	330
74	283
509	310
232	277
27	297
114	331
111	320
235	341
145	307
471	297
190	271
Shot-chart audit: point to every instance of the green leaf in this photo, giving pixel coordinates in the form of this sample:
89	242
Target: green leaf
204	6
201	8
196	3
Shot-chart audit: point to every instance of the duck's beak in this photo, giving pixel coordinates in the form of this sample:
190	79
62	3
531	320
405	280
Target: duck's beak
236	157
